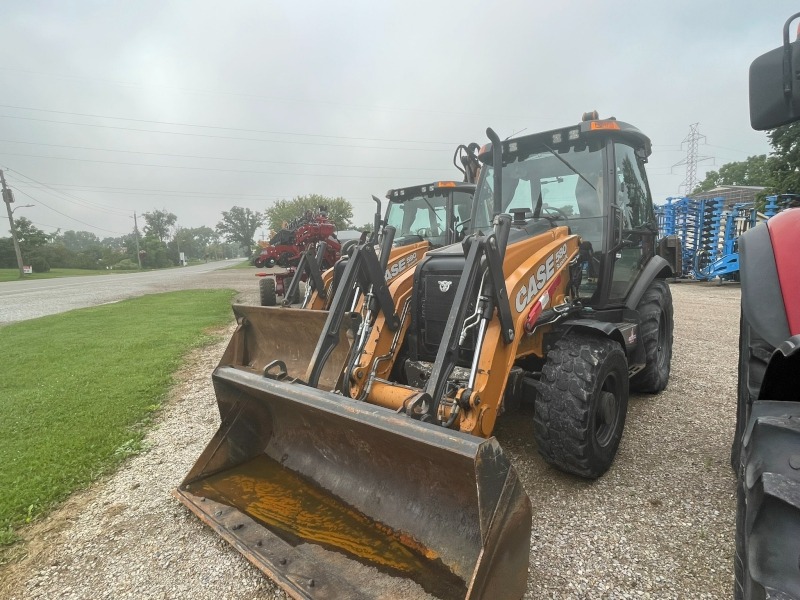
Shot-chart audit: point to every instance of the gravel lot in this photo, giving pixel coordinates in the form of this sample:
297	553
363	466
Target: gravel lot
658	525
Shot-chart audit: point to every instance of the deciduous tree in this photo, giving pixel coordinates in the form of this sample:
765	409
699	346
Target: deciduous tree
753	171
785	159
30	236
158	224
239	226
340	211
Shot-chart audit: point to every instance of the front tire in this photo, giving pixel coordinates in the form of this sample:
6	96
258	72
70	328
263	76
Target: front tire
582	404
266	289
656	331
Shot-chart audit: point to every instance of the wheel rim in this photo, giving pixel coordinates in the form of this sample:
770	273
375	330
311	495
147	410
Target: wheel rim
607	410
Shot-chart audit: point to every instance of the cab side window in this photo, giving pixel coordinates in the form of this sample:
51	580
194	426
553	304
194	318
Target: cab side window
632	188
633	199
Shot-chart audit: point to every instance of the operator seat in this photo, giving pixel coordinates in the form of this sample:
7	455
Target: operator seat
589	225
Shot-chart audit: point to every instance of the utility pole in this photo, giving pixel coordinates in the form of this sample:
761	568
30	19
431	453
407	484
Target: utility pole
8	198
136	233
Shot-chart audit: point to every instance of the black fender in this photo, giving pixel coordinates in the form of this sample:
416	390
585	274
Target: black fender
656	268
625	334
780	378
670	249
762	301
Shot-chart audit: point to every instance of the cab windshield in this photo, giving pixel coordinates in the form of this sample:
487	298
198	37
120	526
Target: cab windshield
565	185
419	218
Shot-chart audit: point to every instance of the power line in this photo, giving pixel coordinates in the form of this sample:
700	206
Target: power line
274	98
67	196
733	150
219	137
241	129
190	193
34	222
245	171
66	215
276	162
150	191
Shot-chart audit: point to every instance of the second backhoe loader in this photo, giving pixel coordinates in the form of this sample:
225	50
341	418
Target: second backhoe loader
424	217
375	448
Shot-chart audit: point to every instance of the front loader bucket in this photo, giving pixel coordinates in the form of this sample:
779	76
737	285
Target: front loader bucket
335	498
266	334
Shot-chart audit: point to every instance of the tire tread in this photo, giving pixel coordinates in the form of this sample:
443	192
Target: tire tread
561	421
767	563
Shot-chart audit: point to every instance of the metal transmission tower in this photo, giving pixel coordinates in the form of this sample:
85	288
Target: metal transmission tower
692	140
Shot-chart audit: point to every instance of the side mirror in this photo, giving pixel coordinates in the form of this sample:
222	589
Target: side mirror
775	85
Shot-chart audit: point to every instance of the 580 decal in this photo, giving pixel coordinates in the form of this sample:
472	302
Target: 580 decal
398	267
539	278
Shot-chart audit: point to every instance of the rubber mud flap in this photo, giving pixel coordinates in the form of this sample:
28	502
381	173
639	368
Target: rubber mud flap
329	496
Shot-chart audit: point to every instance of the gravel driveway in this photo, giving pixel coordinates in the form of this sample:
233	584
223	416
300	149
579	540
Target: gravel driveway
658	525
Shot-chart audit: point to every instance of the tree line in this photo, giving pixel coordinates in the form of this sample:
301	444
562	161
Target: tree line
779	172
162	239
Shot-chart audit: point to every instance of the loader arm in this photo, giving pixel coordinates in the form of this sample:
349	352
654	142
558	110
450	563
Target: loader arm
374	365
536	272
533	268
401	258
319	301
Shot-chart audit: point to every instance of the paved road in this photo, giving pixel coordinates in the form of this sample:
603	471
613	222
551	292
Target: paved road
21	300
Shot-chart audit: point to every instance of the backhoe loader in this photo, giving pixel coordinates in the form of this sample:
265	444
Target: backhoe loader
423	216
365	438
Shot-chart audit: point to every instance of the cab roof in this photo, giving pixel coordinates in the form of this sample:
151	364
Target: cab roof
586	131
437	188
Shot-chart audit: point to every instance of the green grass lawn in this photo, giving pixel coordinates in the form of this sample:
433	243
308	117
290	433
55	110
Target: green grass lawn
77	389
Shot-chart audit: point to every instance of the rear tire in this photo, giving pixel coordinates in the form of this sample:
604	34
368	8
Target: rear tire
266	289
768	505
754	354
582	404
656	331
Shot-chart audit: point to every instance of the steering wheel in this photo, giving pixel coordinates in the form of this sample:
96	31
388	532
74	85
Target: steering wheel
560	214
425	232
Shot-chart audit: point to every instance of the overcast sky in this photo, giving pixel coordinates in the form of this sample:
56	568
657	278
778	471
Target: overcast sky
113	107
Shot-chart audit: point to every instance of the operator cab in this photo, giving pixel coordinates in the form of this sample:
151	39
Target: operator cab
589	177
437	212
